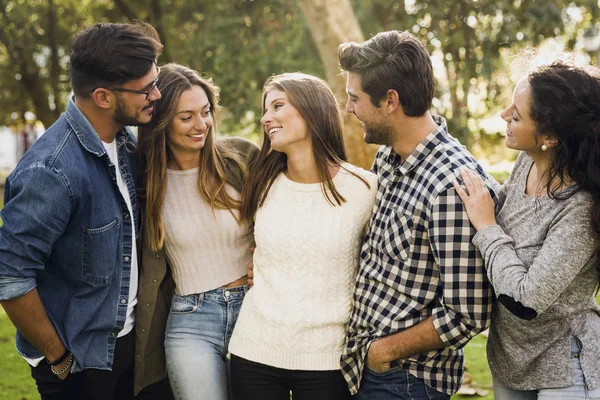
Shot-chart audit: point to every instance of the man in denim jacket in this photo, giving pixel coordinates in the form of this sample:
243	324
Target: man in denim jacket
68	262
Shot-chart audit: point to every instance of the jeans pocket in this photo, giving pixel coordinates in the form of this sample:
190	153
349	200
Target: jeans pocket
186	304
434	394
381	374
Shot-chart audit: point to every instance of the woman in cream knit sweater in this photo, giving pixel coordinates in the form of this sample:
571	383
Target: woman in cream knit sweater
310	209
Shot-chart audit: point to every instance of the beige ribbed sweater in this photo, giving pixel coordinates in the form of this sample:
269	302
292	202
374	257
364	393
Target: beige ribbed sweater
305	266
206	250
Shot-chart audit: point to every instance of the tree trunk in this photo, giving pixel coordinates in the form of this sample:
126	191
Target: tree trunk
162	33
54	63
332	22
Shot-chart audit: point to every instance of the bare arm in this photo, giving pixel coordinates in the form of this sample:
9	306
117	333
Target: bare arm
29	316
417	339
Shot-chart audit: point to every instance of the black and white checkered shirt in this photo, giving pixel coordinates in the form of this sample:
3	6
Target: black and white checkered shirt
418	261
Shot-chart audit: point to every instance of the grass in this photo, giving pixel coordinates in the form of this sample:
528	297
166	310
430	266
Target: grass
15	380
477	367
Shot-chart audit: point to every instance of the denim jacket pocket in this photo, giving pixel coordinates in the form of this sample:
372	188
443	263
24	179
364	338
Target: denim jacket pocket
100	252
397	238
186	304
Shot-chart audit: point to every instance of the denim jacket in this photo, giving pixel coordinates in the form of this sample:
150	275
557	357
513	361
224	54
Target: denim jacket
67	232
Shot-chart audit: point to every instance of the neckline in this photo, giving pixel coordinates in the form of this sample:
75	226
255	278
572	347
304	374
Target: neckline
312	187
183	171
523	190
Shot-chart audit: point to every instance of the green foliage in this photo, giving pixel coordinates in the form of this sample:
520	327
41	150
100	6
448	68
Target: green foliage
34	49
476	365
240	43
475	39
15	380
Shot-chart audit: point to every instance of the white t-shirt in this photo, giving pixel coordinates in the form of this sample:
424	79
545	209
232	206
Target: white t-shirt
111	150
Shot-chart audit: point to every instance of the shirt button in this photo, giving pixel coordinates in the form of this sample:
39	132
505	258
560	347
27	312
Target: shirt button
126	258
227	293
138	356
147	304
126	216
113	334
154	280
123	301
143	330
157	255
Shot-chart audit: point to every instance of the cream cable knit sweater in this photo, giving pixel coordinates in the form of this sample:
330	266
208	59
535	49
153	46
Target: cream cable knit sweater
205	249
305	266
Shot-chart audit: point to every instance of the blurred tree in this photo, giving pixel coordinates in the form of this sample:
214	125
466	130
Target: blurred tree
240	43
331	23
470	36
34	46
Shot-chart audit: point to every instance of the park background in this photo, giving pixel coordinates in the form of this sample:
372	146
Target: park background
477	48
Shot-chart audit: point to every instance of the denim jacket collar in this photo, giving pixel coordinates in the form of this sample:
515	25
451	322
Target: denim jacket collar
85	132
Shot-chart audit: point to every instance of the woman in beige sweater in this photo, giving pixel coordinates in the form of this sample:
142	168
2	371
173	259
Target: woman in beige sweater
191	206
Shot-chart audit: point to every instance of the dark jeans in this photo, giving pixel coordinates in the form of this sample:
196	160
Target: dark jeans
91	384
255	381
395	384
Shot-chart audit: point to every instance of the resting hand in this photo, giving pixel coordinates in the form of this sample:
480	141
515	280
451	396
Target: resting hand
251	271
376	357
477	199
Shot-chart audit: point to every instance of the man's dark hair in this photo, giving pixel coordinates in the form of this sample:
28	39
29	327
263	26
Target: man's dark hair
392	60
109	54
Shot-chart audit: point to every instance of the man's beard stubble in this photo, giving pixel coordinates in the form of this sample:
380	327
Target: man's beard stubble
121	116
378	134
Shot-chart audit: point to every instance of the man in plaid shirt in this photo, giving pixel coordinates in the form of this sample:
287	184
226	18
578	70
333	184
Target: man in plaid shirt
421	293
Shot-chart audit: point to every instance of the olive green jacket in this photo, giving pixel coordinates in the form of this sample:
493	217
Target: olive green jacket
156	288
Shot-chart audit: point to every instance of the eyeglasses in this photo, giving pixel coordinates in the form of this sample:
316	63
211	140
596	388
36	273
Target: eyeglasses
146	91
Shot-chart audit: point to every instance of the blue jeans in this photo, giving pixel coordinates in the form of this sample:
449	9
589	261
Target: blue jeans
196	341
395	384
577	391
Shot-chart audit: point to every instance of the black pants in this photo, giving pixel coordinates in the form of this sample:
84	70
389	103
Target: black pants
157	391
91	384
254	381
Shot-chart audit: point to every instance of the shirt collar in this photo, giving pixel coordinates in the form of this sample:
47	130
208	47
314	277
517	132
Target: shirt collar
423	149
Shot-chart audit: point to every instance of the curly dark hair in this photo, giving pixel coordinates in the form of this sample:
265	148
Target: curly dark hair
566	104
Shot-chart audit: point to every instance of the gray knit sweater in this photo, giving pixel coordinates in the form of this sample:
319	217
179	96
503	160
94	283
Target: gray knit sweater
541	259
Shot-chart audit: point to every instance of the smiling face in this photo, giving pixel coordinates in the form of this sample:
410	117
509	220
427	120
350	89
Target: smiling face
283	124
188	130
520	129
375	128
134	109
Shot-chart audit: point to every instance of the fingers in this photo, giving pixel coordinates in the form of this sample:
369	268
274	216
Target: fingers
476	179
461	193
251	274
468	180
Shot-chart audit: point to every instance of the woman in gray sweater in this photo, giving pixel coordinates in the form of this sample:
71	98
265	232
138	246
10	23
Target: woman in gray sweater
541	248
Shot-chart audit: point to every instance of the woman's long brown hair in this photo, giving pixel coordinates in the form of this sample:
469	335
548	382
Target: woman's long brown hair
317	105
173	80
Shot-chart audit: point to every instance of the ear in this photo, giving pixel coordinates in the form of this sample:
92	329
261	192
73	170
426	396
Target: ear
549	141
103	98
391	101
